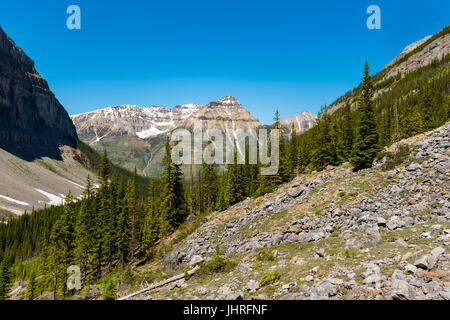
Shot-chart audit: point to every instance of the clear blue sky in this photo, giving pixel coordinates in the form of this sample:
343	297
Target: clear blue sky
291	55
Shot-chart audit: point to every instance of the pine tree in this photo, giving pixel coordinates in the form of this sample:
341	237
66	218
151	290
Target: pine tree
109	288
62	246
428	109
366	141
123	235
151	227
31	287
293	151
323	154
347	128
134	212
5	280
83	229
168	197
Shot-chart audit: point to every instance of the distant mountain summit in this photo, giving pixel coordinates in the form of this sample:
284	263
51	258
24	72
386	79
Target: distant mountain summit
32	121
302	121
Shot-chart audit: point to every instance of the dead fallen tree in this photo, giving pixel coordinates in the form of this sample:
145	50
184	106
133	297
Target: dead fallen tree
160	284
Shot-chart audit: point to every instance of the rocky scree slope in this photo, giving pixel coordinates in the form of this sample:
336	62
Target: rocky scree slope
336	234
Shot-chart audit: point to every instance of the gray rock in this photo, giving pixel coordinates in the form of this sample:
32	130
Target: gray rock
195	259
422	263
326	289
437	252
401	290
393	223
252	285
372	237
315	269
413	167
174	259
295	192
436	229
381	222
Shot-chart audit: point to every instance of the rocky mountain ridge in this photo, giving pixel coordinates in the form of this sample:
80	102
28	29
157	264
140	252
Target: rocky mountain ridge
415	56
32	121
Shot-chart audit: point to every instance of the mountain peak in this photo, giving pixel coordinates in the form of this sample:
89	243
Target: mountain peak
225	102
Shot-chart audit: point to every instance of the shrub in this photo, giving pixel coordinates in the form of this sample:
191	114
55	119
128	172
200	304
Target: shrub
394	159
269	278
264	255
215	265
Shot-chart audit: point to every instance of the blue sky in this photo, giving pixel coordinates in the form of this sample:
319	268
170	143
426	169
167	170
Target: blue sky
290	55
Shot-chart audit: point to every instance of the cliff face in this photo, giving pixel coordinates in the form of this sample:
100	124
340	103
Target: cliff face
32	121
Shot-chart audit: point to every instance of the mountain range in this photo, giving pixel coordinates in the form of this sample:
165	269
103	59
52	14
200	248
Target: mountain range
134	136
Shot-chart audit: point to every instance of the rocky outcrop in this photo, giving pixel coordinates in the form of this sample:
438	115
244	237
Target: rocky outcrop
437	49
32	121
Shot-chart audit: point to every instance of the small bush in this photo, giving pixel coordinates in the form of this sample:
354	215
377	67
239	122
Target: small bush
269	278
394	159
215	265
264	255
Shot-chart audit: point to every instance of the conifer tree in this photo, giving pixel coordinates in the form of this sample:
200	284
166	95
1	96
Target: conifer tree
83	229
134	212
428	109
5	280
347	131
151	227
123	234
366	141
293	151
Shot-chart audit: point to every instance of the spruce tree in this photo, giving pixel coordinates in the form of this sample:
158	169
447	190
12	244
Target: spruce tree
5	280
366	141
151	227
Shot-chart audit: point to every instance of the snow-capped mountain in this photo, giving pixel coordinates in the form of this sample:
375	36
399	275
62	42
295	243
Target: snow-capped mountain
134	136
130	120
151	121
